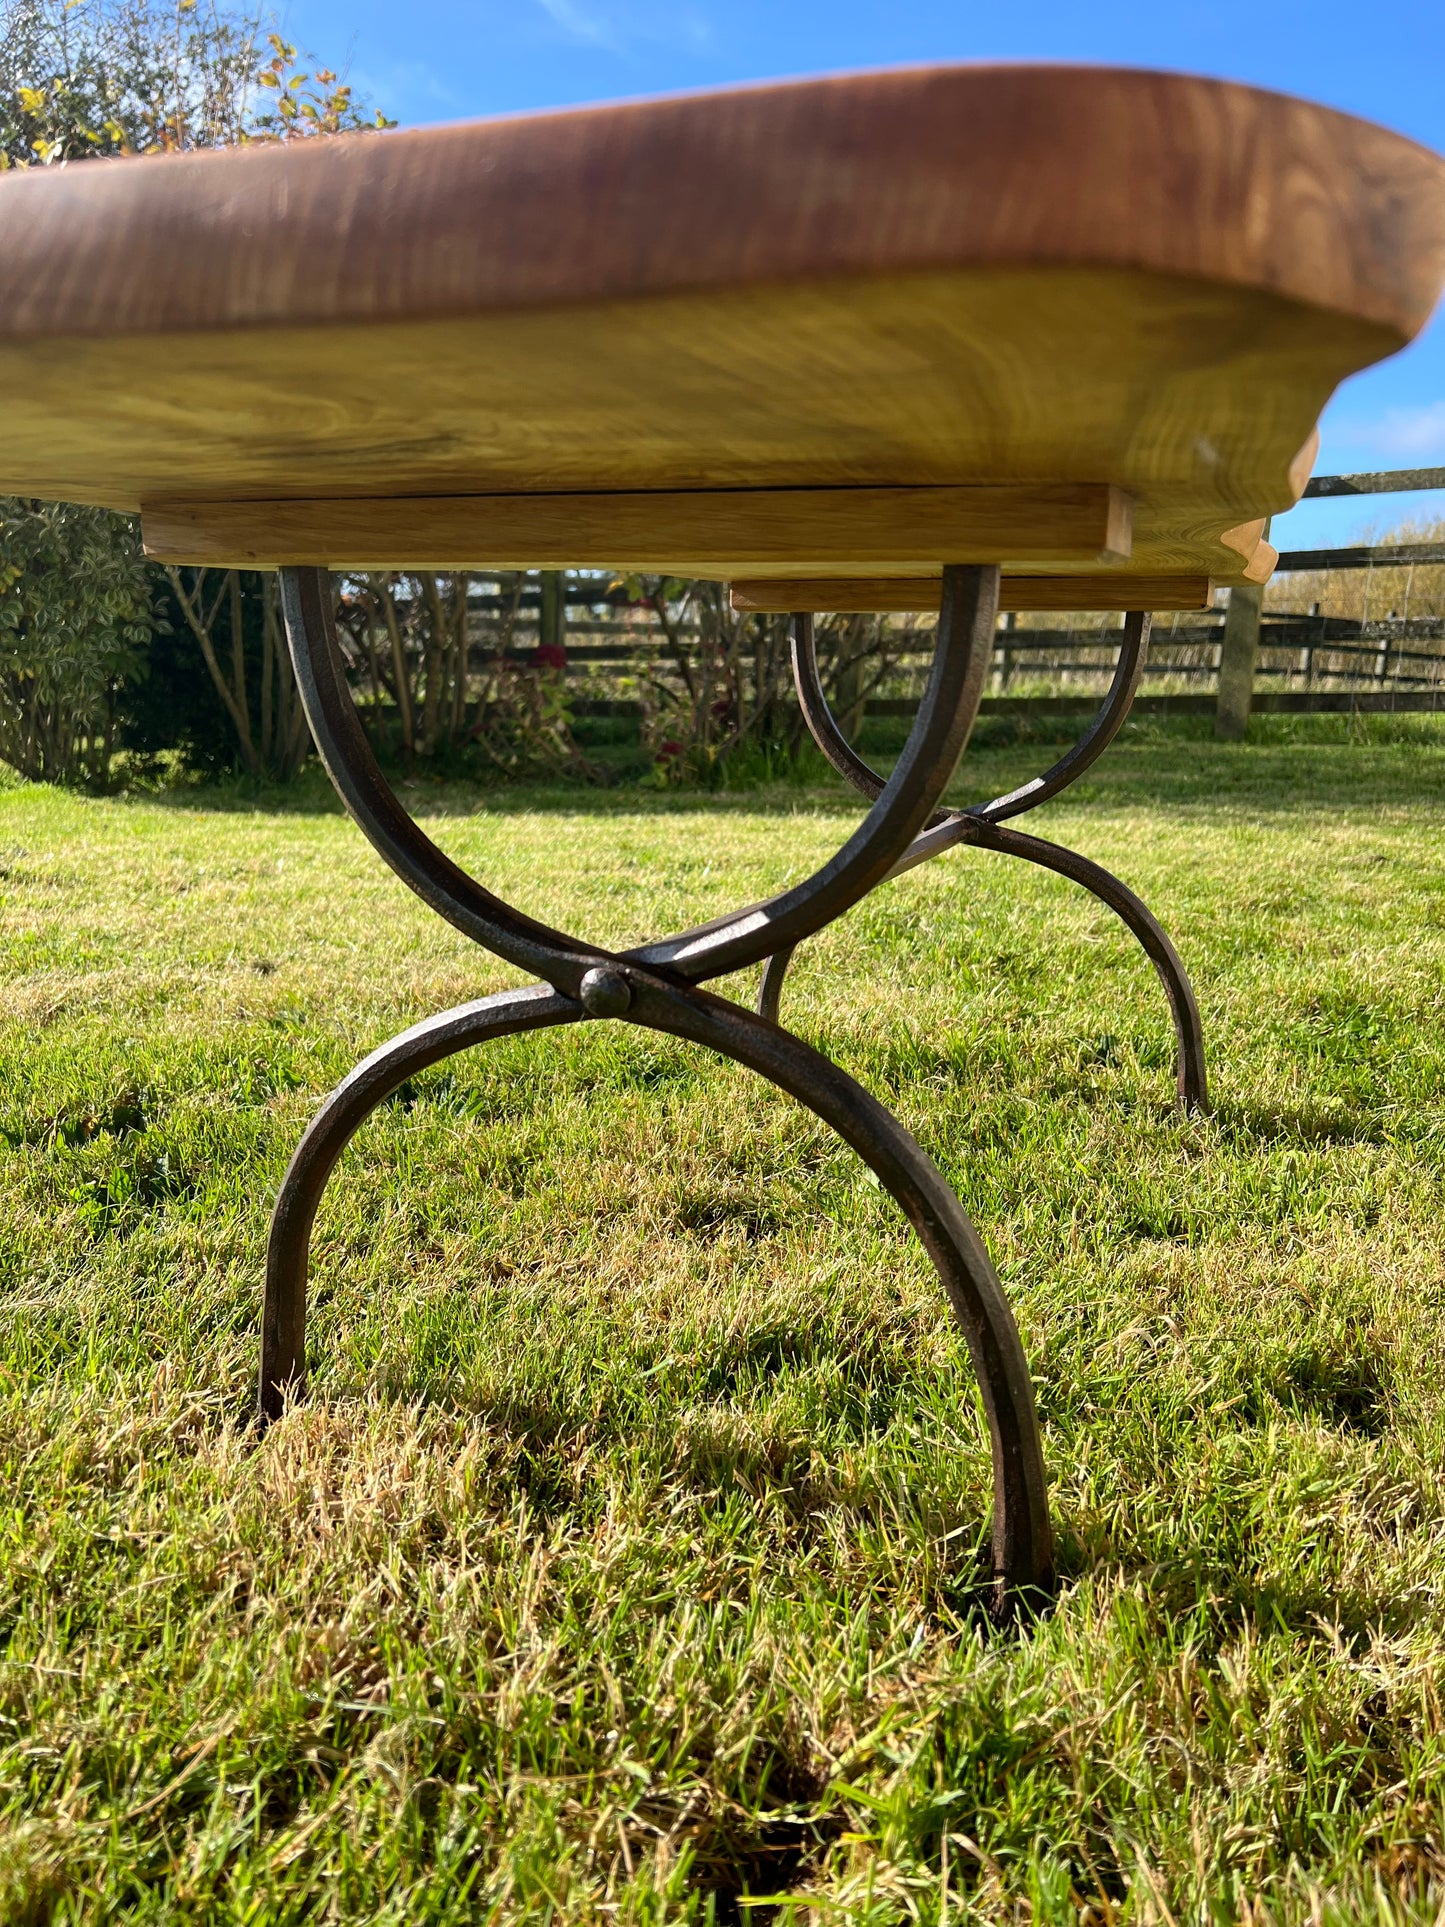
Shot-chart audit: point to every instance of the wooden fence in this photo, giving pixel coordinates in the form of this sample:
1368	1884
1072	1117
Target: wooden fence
1280	658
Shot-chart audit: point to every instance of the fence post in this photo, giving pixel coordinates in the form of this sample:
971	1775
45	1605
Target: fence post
552	616
1237	658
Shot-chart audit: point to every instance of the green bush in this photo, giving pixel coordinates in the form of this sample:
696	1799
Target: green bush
75	616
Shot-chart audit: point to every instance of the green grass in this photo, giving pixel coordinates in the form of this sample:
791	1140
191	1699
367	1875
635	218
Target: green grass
620	1565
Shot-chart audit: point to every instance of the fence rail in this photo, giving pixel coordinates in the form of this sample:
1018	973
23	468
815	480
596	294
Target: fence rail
1322	652
1401	677
1387	481
1296	661
1382	556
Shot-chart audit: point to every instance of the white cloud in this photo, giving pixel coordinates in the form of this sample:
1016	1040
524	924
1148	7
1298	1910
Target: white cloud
578	23
1406	431
623	28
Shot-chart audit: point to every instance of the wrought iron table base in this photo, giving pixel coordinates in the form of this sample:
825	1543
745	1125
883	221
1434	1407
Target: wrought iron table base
658	986
982	826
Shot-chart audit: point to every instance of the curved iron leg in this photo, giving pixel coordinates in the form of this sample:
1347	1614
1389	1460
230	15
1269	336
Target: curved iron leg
656	986
1113	712
1022	1543
1193	1079
902	806
1112	715
770	990
283	1314
983	826
1022	1547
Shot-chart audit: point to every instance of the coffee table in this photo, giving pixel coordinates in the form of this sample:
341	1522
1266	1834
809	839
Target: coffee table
947	338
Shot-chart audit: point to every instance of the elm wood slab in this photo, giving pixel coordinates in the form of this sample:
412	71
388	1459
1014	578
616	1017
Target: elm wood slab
696	532
936	277
953	328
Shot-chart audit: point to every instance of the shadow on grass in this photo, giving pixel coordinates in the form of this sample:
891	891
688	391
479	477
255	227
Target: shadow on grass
1250	1127
1337	762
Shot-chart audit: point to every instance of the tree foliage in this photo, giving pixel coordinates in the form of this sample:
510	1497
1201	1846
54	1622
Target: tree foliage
268	721
75	615
409	642
82	79
92	80
725	686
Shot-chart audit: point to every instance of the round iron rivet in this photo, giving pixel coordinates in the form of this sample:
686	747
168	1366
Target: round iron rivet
605	992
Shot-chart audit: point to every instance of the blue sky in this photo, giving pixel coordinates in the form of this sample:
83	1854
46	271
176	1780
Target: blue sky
429	60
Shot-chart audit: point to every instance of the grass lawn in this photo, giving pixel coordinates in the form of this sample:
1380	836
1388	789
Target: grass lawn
620	1565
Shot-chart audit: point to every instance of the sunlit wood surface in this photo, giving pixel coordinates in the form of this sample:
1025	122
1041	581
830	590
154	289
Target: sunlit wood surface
929	279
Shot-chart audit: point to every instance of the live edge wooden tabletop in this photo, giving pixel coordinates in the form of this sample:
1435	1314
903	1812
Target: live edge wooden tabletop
1077	321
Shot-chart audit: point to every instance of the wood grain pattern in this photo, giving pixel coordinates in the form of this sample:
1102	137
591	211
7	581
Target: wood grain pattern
900	595
957	379
718	533
944	277
865	175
